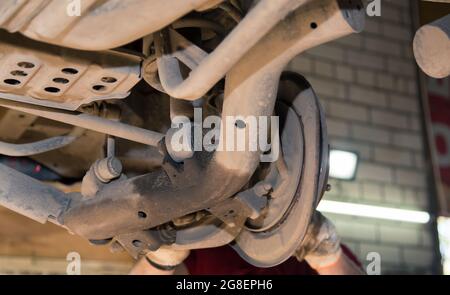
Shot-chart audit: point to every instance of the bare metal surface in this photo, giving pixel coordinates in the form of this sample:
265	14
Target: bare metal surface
49	21
30	197
42	74
90	122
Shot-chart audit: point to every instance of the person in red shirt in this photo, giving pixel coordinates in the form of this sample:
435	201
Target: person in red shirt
320	253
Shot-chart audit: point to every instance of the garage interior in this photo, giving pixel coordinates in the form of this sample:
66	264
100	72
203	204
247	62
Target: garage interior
375	99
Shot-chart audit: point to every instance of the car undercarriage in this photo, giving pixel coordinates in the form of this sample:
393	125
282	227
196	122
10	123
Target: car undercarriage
102	99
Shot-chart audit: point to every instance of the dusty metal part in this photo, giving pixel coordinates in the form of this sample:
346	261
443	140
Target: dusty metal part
295	194
90	122
141	159
188	219
257	75
432	48
12	132
150	74
30	197
88	26
111	147
257	23
108	169
103	109
255	200
102	172
324	156
284	175
233	212
72	161
255	78
139	243
39	147
129	207
90	184
229	215
184	50
48	75
232	11
291	84
193	22
161	195
179	152
210	233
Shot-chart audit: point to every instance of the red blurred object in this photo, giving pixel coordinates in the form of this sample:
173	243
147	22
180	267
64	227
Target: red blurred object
225	261
439	117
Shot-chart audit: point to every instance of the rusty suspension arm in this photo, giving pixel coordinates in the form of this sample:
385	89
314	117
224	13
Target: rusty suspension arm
30	197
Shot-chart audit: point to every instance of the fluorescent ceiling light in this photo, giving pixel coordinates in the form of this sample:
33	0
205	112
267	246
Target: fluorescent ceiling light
343	164
374	211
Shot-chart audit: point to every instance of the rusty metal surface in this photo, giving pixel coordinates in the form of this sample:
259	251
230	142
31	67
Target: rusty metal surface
30	197
42	74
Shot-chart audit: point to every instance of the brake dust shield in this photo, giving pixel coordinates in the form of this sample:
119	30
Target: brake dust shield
298	179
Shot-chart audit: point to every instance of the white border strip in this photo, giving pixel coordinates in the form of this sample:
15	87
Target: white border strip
374	211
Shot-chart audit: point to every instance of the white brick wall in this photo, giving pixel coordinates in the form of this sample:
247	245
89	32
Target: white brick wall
368	86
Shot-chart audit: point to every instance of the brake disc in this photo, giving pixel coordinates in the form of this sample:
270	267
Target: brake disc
298	179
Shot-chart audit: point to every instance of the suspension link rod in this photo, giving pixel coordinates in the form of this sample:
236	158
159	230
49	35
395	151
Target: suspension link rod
89	122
